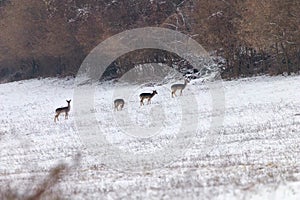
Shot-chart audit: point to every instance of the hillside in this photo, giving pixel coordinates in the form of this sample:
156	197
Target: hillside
255	154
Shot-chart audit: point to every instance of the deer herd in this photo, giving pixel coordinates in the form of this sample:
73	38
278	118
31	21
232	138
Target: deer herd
119	103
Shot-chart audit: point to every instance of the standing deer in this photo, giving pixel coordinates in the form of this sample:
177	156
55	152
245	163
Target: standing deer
62	110
147	96
180	87
119	103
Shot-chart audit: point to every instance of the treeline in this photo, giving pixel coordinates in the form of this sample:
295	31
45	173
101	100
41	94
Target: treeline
52	37
253	36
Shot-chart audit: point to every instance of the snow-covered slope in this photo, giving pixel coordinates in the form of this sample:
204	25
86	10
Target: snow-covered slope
255	156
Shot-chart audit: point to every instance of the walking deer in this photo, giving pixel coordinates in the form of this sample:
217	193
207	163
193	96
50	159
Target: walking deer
63	110
147	96
119	103
180	87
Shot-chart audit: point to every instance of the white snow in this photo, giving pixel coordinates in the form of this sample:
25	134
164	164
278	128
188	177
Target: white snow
255	156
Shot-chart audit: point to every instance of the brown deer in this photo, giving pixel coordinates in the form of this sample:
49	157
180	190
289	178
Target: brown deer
180	87
147	96
63	110
119	103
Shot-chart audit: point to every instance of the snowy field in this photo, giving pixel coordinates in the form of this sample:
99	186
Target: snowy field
255	156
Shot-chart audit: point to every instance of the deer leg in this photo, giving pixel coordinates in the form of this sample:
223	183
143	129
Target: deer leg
180	92
142	103
66	115
174	93
56	117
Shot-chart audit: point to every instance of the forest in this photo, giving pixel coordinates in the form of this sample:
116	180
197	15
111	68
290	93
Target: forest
46	38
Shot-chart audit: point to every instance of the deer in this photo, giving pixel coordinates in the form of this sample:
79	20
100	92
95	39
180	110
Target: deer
62	110
119	103
180	87
147	96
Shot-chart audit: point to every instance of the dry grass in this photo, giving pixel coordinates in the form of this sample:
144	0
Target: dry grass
44	188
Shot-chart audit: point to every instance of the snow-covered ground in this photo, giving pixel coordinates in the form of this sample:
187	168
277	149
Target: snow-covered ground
255	156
